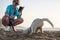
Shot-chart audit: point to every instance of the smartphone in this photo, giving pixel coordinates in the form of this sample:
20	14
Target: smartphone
21	8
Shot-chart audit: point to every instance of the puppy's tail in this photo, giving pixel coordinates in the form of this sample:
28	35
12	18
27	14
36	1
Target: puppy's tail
46	19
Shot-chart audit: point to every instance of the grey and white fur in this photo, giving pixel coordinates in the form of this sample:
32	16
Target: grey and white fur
37	24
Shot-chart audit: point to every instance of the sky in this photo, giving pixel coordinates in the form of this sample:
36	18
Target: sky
36	9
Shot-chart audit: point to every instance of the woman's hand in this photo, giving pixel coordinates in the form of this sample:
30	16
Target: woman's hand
11	17
6	15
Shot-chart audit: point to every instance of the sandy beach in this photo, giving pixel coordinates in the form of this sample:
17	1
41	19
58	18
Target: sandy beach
47	35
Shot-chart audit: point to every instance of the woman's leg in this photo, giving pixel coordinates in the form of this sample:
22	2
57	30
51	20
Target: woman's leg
18	21
5	21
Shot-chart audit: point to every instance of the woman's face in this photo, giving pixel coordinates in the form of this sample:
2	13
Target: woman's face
15	3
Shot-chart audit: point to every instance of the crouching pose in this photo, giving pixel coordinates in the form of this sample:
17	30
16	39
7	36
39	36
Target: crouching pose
37	24
11	12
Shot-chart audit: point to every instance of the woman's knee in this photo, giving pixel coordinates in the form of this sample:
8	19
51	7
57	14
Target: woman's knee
5	20
21	20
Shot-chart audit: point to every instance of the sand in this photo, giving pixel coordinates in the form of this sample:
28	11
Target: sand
47	35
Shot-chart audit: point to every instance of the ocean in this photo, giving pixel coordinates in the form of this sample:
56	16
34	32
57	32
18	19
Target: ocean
44	29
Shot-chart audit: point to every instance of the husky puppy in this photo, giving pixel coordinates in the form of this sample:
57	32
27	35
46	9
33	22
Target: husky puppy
37	24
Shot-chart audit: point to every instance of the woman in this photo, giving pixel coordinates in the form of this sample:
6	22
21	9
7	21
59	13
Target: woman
11	13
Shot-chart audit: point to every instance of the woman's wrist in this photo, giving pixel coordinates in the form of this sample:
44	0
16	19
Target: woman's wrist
6	15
